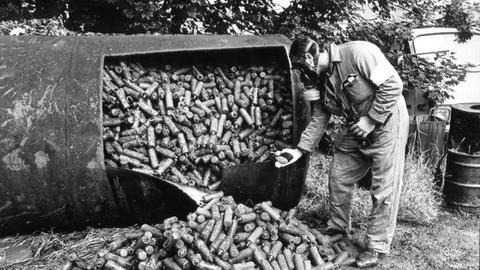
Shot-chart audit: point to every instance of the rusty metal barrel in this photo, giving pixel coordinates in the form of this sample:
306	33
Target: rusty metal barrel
52	171
462	180
465	127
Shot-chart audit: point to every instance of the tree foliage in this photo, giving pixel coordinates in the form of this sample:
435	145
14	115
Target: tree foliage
173	16
434	79
326	20
457	15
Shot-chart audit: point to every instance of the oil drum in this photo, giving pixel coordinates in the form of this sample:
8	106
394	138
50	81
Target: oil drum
462	179
465	127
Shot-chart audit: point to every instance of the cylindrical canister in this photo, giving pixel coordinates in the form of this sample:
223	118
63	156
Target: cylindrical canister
52	163
462	177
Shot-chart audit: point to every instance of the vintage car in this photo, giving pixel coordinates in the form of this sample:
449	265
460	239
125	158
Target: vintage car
430	125
426	42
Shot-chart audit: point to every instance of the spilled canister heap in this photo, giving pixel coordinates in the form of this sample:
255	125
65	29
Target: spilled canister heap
462	179
54	129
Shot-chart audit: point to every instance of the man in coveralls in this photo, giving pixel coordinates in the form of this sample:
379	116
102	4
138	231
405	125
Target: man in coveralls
374	141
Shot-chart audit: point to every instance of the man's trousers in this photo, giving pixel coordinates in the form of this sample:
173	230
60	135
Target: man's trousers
385	156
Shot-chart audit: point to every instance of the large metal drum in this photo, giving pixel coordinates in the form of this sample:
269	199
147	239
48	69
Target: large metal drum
462	180
465	127
52	170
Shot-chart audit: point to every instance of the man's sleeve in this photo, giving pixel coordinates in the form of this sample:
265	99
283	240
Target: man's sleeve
372	64
315	129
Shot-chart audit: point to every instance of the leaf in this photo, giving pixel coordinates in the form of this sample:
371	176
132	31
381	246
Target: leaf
228	13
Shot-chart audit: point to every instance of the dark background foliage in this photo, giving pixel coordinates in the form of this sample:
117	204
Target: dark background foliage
325	20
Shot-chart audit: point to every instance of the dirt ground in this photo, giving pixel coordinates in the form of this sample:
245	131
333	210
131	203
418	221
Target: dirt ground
450	243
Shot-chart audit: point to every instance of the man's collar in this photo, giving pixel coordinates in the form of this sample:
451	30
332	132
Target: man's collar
333	58
334	54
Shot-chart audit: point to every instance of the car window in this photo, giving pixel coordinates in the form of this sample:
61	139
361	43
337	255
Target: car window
467	52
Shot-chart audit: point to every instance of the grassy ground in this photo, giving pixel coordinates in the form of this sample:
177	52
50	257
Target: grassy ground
428	236
451	242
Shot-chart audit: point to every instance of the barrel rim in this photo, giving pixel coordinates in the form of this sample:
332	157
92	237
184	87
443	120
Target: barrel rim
463	154
466	107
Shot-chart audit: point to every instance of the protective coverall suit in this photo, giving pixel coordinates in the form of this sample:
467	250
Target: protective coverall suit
377	93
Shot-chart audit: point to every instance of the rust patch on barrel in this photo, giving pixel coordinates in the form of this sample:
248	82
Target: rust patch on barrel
14	162
94	164
21	112
96	161
41	159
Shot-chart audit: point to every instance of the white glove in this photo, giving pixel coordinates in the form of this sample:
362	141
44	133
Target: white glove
282	162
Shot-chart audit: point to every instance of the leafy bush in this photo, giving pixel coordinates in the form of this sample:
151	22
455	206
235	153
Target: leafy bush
389	34
457	15
435	79
15	10
45	27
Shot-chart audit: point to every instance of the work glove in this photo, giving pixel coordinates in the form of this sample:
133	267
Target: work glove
363	127
287	156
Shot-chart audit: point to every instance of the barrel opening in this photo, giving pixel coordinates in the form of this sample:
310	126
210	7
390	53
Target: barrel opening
156	131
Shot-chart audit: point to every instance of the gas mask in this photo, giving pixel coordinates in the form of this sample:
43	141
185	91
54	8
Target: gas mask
306	72
310	91
305	67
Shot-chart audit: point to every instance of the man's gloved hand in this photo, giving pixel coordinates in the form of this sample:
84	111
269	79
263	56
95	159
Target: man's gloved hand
287	156
363	127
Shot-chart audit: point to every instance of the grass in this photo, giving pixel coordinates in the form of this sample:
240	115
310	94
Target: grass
419	203
49	250
420	200
451	242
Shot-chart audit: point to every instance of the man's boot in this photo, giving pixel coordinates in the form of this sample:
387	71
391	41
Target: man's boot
369	258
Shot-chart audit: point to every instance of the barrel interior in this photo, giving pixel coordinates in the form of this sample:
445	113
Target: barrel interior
289	182
265	56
